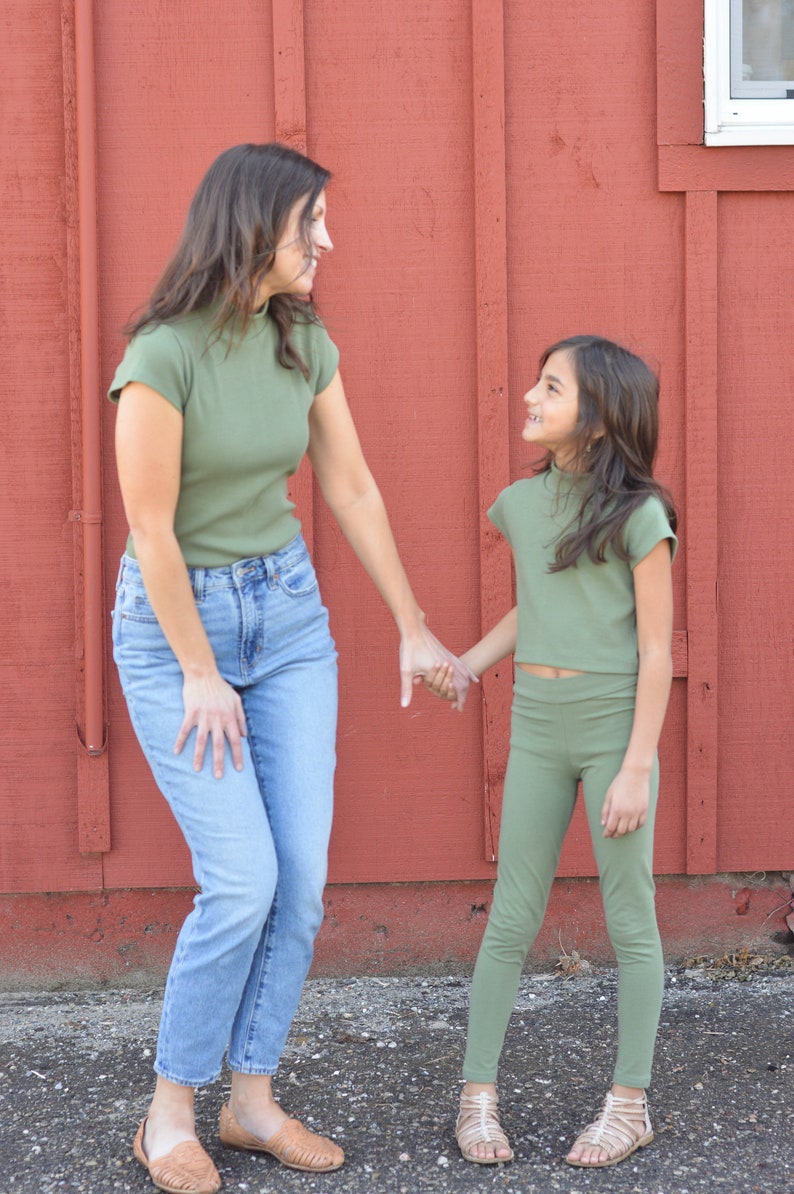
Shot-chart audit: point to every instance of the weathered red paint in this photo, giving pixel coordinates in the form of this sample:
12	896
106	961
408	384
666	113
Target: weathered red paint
503	175
127	937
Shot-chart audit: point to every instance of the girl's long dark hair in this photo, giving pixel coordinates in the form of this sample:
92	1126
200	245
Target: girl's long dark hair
616	438
236	219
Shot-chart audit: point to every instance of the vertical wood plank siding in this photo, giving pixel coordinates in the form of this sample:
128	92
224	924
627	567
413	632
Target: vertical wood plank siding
493	441
289	109
503	175
93	789
701	529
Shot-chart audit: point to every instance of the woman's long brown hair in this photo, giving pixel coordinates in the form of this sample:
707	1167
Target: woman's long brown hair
236	219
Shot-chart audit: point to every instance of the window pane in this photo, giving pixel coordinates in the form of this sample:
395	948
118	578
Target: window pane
762	49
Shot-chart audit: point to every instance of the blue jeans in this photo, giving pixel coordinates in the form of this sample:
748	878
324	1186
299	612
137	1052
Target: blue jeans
258	838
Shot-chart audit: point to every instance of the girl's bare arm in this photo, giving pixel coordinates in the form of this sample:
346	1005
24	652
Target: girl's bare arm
626	804
497	644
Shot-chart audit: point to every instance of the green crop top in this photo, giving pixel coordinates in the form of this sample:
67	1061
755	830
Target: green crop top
246	428
582	618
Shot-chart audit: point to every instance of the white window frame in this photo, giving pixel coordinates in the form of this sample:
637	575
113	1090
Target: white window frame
732	121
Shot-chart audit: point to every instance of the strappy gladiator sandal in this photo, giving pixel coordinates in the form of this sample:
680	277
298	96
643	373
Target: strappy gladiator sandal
478	1123
622	1127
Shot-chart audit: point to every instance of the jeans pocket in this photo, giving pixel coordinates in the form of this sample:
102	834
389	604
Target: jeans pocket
298	578
136	607
134	623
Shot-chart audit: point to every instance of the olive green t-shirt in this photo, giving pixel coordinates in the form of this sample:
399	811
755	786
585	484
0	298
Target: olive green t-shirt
584	617
245	428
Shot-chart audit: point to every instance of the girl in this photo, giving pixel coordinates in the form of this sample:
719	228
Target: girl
593	540
221	637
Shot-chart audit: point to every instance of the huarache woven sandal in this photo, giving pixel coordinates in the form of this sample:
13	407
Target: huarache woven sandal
187	1169
292	1145
478	1123
622	1127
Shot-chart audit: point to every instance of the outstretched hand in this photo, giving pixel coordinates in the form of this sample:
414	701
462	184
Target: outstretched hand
422	656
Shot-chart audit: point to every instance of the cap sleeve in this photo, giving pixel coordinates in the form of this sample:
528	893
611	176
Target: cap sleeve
328	361
498	514
646	527
156	359
318	351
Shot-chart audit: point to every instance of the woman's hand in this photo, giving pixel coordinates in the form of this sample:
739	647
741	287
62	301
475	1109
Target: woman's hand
215	710
626	804
422	655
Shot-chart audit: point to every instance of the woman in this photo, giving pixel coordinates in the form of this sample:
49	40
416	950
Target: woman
221	638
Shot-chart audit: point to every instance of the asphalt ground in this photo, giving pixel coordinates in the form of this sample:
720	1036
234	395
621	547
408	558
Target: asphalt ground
374	1062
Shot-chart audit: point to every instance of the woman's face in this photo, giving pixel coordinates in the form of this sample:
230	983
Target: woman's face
296	259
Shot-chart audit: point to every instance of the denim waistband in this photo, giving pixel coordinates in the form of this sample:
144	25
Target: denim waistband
230	576
583	687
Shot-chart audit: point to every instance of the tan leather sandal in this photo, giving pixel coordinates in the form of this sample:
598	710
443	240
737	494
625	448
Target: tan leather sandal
478	1123
187	1169
622	1127
292	1145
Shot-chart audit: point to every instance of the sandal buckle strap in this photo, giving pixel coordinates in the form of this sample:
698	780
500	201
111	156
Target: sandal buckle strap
623	1126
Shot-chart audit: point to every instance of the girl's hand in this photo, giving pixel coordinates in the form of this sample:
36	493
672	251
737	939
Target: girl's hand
439	681
422	654
215	710
626	804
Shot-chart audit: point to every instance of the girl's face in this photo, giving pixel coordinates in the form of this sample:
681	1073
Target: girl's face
553	409
295	261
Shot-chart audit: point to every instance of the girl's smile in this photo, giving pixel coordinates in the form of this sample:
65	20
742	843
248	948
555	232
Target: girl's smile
553	409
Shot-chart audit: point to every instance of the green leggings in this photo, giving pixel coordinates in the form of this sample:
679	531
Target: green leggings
563	731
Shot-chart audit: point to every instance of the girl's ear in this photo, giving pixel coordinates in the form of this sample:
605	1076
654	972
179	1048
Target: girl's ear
598	434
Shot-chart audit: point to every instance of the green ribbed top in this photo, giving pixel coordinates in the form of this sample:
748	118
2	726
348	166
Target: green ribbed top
245	431
584	617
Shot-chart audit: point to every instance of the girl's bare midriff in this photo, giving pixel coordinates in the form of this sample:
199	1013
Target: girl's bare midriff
548	673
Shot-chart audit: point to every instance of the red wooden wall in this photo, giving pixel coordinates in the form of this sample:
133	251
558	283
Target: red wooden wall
504	174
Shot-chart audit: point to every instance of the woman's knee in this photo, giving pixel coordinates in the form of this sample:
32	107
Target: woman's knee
300	892
239	900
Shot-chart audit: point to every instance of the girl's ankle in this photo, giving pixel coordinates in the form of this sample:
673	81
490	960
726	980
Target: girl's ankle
633	1093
